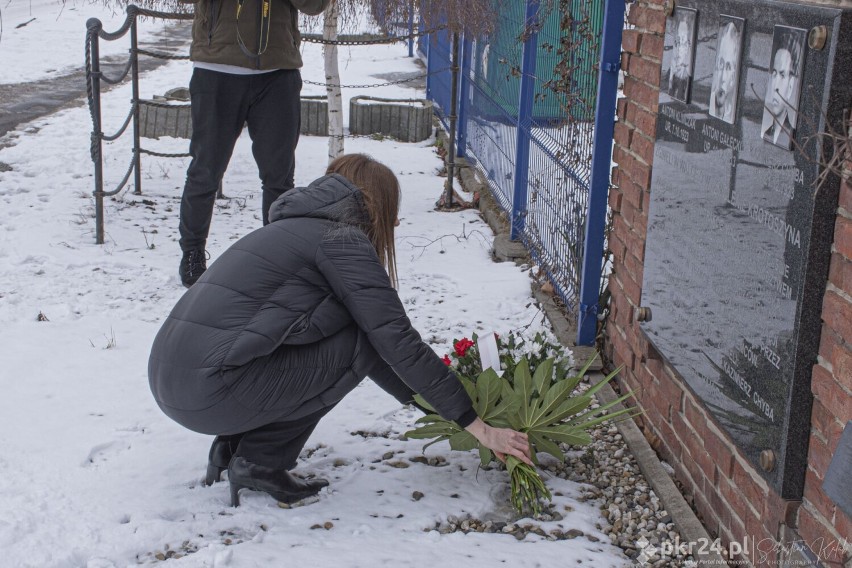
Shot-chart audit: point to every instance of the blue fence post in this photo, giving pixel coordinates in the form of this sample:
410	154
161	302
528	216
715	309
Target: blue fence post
525	104
430	64
590	279
411	28
464	90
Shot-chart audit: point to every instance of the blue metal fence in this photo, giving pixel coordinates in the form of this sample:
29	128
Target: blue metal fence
536	114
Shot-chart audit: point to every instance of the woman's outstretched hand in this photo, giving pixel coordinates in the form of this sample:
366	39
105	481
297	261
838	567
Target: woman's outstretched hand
502	441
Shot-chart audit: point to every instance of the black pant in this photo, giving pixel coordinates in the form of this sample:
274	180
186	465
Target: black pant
222	104
277	400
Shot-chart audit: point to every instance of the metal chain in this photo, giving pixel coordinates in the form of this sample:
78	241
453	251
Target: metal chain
162	155
158	55
390	39
377	84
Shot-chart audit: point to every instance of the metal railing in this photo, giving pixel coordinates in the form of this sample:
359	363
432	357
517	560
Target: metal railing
538	122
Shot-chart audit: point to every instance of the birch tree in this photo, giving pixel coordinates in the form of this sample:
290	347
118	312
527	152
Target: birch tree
332	80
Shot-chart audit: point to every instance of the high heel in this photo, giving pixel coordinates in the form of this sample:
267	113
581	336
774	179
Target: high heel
235	493
221	451
214	474
278	483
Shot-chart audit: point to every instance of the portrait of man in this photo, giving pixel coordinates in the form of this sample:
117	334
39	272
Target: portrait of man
781	105
726	74
681	30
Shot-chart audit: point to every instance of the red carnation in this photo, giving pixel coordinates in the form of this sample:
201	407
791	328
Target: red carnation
446	360
462	345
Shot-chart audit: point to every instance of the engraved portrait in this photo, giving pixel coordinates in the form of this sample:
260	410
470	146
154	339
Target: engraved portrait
726	72
783	89
680	39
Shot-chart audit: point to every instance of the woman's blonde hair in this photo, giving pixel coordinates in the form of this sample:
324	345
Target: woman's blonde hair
380	189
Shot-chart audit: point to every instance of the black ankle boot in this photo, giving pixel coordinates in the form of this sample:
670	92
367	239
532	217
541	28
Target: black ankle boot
242	474
221	451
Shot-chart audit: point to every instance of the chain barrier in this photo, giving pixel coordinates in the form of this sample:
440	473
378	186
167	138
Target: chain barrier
95	77
314	38
163	154
158	55
385	84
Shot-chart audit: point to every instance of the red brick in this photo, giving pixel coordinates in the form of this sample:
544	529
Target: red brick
840	273
621	108
641	174
751	490
635	245
672	390
631	41
632	288
652	46
719	451
734	498
694	415
646	122
780	510
644	147
641	93
814	532
640	225
841	362
843	236
629	111
819	456
635	267
615	197
818	500
632	193
704	460
645	70
845	193
616	245
720	507
837	314
830	393
622	134
764	541
829	426
843	525
828	338
647	19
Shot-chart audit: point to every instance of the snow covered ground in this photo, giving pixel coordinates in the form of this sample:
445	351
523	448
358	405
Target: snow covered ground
93	474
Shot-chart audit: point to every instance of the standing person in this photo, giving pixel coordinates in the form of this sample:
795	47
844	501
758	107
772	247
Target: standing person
289	320
246	63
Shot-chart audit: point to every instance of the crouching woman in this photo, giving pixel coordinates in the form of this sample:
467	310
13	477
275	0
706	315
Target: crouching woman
288	321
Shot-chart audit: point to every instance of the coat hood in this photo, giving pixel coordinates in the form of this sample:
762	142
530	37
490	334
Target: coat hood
331	197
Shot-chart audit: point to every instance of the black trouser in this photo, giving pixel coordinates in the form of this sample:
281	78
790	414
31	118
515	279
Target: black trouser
276	401
222	104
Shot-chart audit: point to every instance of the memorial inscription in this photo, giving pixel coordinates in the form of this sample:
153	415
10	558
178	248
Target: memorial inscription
738	235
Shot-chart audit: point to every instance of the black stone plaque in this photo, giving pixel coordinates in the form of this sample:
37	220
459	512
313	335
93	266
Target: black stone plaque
740	227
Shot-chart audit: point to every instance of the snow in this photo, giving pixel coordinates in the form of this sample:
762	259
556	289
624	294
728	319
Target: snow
93	474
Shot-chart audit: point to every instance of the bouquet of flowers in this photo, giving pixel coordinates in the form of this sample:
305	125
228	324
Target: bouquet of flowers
533	394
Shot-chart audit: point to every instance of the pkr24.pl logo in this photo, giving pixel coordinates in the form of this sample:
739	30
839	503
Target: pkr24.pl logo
749	550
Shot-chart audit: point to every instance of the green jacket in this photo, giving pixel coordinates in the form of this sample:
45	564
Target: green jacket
215	38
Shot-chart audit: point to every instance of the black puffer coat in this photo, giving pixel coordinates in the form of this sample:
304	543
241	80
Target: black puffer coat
304	277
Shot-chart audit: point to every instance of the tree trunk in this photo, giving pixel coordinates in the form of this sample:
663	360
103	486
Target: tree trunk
332	79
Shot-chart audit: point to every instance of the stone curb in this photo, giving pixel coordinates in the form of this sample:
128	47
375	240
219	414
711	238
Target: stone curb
682	514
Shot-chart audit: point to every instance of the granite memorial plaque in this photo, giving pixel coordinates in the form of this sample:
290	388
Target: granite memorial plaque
741	216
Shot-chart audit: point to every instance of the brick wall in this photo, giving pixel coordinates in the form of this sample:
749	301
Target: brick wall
831	384
728	494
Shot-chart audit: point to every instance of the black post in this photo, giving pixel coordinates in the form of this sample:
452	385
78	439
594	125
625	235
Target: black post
134	66
454	97
94	27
